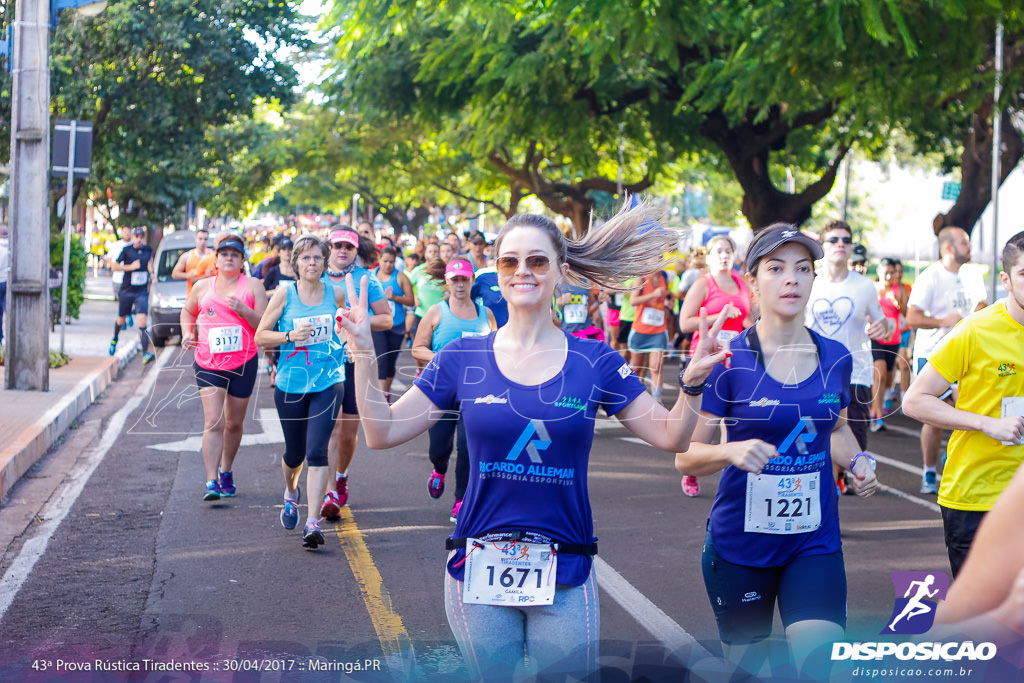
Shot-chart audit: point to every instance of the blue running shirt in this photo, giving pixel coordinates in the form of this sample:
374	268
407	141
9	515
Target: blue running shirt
529	446
798	420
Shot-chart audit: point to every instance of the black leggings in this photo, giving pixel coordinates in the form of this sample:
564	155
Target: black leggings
442	441
387	344
307	421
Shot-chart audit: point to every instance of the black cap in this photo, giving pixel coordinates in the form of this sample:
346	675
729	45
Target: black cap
860	254
139	231
776	238
285	243
232	242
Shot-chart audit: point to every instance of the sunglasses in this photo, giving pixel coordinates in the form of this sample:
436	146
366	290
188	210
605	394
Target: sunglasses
508	265
344	245
836	240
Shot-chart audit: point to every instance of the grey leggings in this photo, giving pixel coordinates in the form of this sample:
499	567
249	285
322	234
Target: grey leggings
561	638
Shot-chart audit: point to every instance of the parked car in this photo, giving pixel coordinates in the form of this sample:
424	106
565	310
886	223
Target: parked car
167	295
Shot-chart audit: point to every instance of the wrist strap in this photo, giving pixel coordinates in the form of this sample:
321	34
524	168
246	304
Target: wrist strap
867	456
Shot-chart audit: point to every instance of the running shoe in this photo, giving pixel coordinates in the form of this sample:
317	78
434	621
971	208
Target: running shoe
113	347
929	482
131	321
877	425
656	393
227	484
341	486
691	486
841	483
312	537
435	484
888	400
455	510
331	507
148	358
290	511
213	491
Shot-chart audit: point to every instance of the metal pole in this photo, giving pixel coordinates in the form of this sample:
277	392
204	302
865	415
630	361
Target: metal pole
997	143
69	201
622	145
28	358
846	187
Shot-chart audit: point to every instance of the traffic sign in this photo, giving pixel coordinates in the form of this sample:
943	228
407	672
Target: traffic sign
950	190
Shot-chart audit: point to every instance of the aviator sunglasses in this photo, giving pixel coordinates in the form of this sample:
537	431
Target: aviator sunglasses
836	240
507	265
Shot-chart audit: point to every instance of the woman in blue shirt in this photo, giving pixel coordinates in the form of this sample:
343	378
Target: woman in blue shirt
519	578
773	531
310	380
457	317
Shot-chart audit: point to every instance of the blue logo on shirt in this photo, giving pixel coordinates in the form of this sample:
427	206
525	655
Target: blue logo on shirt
532	447
798	437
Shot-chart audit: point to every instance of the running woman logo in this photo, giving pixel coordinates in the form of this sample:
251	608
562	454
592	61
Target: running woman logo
1007	369
532	446
917	594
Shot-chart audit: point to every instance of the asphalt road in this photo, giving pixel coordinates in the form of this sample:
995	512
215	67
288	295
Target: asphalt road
121	561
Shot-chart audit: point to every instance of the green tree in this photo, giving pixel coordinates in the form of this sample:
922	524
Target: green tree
546	92
154	78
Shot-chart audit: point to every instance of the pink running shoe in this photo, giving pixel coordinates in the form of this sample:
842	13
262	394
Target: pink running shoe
455	510
331	508
341	486
691	486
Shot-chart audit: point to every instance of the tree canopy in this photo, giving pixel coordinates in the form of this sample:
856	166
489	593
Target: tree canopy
547	93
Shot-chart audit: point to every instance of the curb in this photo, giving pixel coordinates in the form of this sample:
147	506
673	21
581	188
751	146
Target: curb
20	454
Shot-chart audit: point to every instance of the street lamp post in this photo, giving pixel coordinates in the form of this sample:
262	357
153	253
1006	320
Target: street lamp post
27	365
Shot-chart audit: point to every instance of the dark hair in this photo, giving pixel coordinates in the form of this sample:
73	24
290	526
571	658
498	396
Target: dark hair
435	269
886	261
630	244
367	249
835	225
305	243
1012	251
389	251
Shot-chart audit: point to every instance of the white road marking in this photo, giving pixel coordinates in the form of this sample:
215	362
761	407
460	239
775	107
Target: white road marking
912	498
268	419
677	640
63	500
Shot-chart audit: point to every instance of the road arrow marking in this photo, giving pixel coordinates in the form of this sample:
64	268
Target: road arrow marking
271	434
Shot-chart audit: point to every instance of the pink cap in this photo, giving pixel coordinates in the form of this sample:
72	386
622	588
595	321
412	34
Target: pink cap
345	236
457	269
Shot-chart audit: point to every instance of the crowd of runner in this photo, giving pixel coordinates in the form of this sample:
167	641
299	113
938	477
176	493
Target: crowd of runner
791	357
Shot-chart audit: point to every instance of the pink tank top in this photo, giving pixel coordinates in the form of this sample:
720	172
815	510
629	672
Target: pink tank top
226	340
892	312
716	299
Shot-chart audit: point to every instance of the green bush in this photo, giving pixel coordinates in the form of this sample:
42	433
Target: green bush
79	264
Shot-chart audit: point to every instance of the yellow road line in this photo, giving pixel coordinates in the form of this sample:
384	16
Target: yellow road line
394	639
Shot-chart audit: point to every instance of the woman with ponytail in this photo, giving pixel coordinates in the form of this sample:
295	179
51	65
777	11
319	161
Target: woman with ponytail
519	577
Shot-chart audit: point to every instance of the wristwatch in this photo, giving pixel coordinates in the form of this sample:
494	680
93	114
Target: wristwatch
866	456
287	337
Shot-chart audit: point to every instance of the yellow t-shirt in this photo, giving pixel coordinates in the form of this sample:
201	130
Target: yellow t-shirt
982	353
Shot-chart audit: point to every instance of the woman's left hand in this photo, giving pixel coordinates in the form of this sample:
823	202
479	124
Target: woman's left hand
710	351
355	320
863	482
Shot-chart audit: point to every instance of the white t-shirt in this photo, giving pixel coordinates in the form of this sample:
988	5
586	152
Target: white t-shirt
115	251
939	292
840	311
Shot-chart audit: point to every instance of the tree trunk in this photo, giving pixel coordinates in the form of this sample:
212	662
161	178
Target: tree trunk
976	169
748	146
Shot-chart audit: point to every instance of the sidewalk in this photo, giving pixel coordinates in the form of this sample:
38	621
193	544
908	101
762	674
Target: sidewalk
32	421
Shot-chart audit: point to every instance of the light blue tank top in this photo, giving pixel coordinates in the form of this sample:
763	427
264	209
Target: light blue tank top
397	310
452	327
317	365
